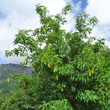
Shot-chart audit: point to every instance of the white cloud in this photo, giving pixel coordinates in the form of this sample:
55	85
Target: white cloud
21	14
55	6
100	9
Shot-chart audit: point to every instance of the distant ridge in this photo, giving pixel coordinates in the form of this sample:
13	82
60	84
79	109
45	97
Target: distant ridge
10	68
6	69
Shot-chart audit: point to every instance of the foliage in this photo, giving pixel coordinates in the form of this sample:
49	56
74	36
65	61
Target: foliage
56	105
68	72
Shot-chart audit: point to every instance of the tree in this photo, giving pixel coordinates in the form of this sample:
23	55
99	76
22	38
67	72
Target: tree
68	73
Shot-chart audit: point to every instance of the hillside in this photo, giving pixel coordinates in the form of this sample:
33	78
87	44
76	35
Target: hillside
6	69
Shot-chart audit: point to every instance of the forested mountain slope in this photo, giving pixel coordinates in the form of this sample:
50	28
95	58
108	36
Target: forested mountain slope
6	69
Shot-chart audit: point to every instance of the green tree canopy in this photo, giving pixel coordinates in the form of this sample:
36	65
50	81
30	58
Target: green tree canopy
68	73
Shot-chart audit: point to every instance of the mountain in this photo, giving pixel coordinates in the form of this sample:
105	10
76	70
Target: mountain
6	69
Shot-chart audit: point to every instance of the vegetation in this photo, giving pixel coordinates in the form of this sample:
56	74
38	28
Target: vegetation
5	70
68	73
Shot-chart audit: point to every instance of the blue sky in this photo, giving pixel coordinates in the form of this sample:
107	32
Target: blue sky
83	4
20	14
